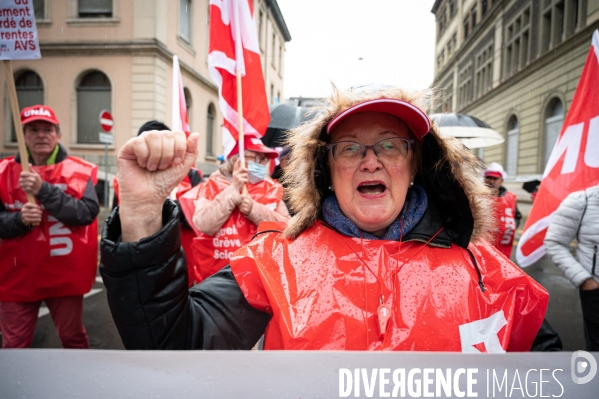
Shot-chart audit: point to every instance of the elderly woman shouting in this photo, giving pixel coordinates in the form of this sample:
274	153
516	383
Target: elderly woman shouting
387	250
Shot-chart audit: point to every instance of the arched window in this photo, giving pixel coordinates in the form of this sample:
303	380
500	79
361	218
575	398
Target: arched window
30	91
554	119
511	158
93	96
210	130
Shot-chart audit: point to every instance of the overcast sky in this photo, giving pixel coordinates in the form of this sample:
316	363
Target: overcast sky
395	40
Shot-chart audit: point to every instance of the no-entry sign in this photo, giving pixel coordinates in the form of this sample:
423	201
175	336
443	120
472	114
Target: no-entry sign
106	123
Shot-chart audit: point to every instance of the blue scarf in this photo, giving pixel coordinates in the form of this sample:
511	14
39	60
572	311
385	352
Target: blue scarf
411	213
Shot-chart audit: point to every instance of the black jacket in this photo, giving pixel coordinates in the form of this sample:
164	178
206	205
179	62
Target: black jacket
62	206
146	284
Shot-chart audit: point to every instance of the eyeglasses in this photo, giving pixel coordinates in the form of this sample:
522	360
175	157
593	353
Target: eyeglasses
257	159
392	150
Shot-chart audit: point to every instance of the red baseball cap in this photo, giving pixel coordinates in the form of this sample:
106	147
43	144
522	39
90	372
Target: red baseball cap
38	113
490	173
253	143
414	117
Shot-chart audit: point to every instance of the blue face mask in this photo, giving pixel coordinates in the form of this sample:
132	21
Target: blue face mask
256	172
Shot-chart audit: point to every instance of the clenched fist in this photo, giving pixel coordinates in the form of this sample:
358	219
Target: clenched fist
150	167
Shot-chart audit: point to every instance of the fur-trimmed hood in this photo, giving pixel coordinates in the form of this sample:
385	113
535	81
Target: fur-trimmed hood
449	171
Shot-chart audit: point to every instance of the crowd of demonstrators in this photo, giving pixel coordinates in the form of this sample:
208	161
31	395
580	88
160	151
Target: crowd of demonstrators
506	210
387	249
48	249
578	217
226	209
192	179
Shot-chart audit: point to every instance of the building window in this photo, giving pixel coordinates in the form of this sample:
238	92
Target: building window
30	91
442	22
571	16
272	94
511	158
559	19
95	8
465	86
473	17
274	50
452	8
280	59
210	117
554	119
39	8
484	7
517	44
466	24
484	71
454	43
185	20
446	100
93	96
261	28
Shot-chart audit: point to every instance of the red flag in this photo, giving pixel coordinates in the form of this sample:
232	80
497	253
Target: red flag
225	57
574	161
180	119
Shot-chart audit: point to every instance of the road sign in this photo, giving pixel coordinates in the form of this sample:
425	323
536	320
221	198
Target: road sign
106	122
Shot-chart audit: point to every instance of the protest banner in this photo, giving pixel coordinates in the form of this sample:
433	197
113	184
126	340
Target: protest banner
18	32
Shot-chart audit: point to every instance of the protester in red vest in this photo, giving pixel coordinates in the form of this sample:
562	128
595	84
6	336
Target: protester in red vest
225	218
48	249
193	178
506	210
388	249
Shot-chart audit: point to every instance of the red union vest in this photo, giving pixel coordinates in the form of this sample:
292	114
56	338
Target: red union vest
52	259
322	293
212	253
505	210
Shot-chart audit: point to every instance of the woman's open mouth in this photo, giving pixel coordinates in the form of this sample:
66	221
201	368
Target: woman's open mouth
372	188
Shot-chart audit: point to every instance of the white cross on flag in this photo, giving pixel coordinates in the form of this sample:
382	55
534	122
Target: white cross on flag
574	161
231	19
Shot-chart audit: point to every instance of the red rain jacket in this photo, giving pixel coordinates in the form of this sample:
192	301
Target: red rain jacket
212	253
322	293
53	259
505	212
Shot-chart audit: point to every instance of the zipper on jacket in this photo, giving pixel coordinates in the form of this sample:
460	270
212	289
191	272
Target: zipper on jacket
594	259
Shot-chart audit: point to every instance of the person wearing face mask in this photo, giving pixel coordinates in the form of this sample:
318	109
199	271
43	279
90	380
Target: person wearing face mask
226	216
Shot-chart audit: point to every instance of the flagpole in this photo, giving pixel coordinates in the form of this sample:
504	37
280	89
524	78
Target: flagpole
16	118
238	65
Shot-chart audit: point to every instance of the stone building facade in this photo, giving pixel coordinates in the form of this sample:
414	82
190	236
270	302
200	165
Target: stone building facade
514	64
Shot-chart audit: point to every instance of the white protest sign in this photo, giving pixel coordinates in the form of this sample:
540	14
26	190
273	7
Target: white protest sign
18	32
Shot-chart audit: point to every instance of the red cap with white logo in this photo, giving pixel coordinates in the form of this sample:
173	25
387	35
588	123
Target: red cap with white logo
38	113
